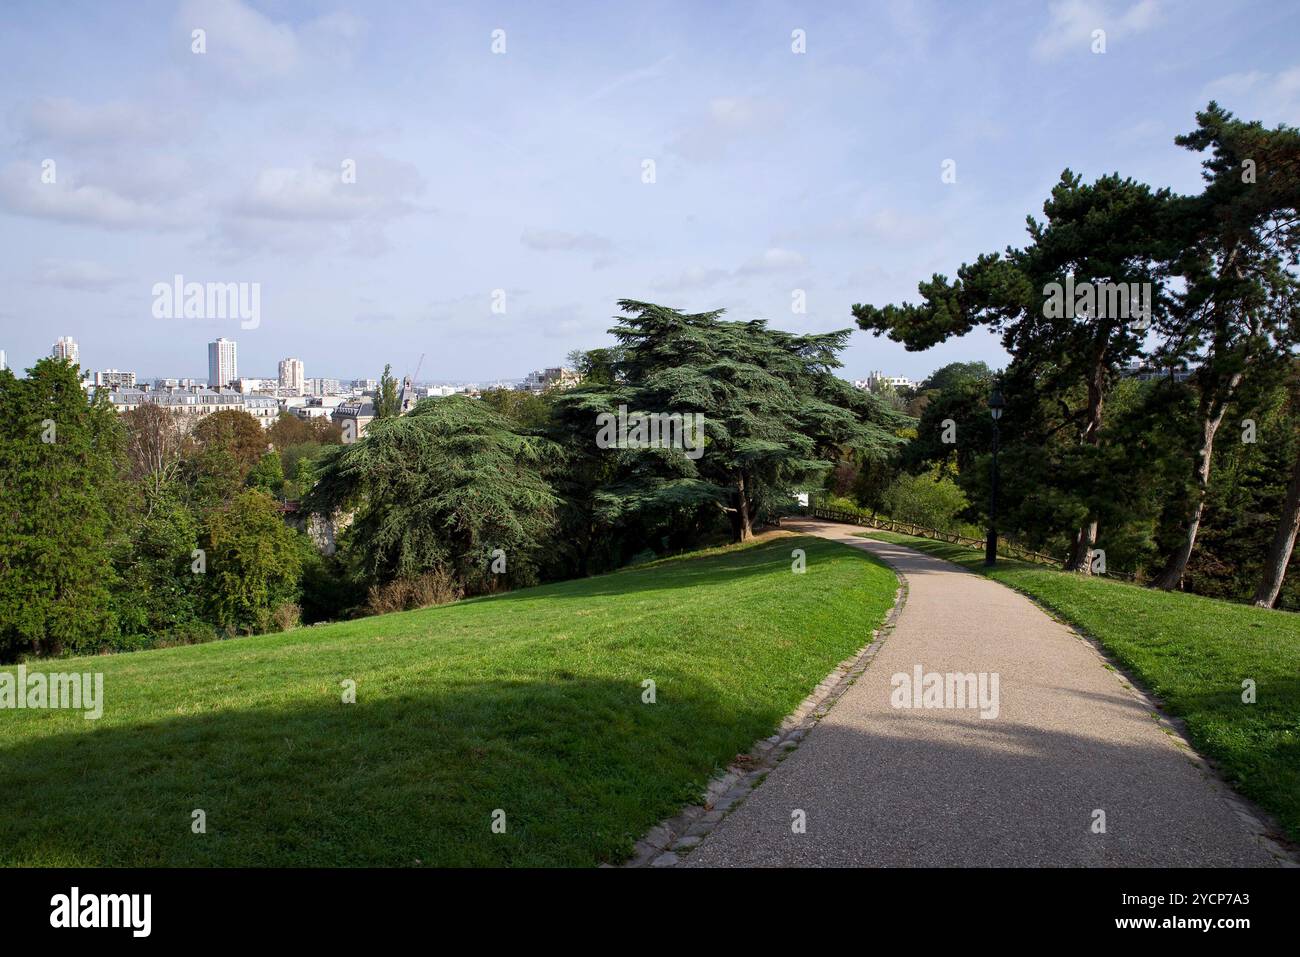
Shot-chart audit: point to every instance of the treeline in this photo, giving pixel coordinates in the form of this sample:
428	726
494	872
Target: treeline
125	532
132	531
1191	479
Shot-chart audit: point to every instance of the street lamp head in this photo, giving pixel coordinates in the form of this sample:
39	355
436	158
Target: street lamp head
996	404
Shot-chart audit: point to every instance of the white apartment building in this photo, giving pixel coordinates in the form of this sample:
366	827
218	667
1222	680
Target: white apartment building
115	379
223	368
193	404
875	381
315	407
169	383
66	348
324	386
292	375
264	408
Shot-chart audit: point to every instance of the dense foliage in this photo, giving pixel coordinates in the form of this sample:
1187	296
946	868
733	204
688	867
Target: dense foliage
134	531
1093	458
140	531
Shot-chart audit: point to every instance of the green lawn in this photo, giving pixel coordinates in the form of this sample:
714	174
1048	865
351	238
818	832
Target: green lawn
1194	653
530	702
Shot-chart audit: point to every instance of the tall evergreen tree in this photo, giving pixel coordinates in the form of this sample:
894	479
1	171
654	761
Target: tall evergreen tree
776	417
388	402
61	504
441	487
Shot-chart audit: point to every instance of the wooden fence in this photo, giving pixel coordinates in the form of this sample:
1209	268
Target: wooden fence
1007	548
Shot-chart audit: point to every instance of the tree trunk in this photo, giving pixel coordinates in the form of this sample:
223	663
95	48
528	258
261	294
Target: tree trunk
1279	552
1085	538
742	522
1213	408
1081	555
1172	575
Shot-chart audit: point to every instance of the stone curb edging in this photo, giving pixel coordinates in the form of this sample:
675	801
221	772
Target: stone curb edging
664	844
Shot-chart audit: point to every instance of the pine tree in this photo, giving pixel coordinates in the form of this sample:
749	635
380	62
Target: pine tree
1241	306
1108	232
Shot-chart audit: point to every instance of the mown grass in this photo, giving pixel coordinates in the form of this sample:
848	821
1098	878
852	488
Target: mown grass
528	702
1194	653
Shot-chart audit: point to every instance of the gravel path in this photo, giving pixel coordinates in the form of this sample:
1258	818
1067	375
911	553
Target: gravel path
891	786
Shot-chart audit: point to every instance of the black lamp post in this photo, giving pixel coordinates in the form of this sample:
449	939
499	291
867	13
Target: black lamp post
991	546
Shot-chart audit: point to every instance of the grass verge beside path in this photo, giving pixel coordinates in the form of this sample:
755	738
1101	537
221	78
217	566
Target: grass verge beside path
528	702
1193	653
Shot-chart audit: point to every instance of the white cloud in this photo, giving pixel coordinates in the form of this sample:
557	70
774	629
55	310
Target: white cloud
240	41
311	209
302	194
1071	23
383	189
22	192
248	47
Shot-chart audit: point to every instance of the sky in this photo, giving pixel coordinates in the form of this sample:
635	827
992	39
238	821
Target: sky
396	187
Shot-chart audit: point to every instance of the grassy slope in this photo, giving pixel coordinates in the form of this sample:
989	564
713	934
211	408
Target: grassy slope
529	702
1194	653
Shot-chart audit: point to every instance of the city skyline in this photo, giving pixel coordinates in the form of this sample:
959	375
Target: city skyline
291	368
522	172
290	374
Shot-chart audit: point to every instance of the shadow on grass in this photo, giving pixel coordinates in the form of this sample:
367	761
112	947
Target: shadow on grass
581	769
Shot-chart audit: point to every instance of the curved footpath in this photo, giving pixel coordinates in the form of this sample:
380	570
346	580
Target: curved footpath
891	786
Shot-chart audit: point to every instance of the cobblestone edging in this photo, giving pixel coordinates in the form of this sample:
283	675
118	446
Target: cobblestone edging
664	844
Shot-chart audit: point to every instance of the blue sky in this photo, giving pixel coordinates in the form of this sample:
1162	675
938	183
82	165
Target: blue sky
523	171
